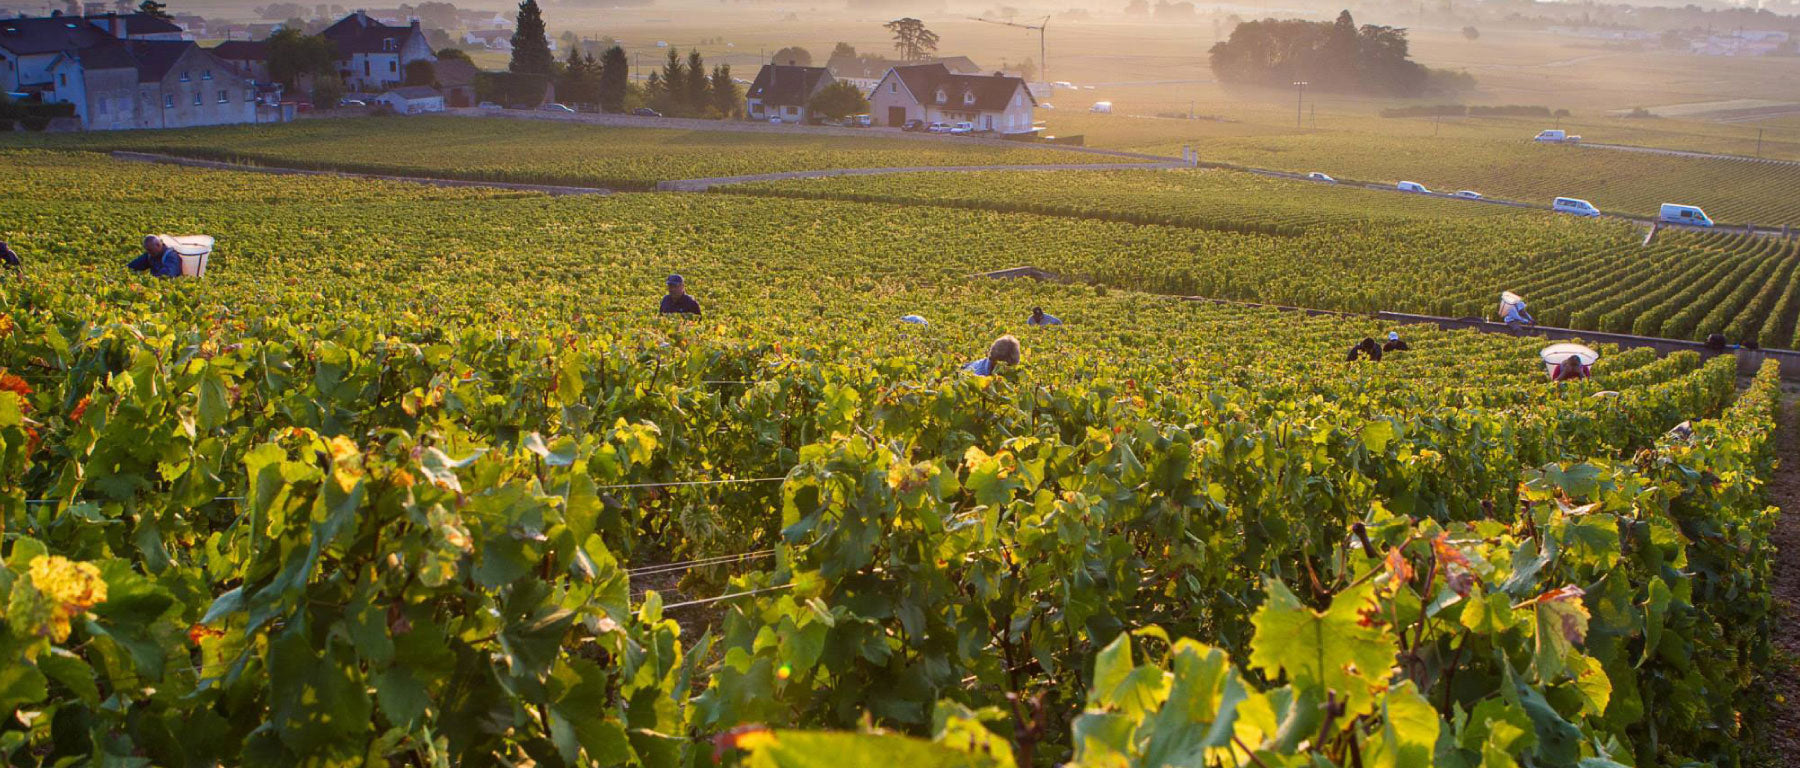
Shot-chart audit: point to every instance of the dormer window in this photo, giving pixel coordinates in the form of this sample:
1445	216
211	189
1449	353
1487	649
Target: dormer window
942	97
968	97
387	44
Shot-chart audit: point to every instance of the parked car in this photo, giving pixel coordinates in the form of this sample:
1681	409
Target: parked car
1691	215
488	105
861	121
1574	205
963	128
1468	194
1412	186
1103	107
774	121
1316	176
913	125
646	112
555	107
344	103
938	128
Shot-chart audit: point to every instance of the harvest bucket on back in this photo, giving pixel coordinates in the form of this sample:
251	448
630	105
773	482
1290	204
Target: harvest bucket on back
194	250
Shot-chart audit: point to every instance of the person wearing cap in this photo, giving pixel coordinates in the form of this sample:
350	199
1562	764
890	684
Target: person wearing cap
158	258
1039	318
1004	350
9	259
677	301
1394	343
1367	347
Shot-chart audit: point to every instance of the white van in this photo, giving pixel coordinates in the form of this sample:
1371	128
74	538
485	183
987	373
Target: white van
1554	134
1103	107
1412	186
1575	206
1691	215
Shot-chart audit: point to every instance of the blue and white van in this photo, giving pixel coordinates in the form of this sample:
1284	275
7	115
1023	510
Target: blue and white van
1690	215
1574	205
1412	186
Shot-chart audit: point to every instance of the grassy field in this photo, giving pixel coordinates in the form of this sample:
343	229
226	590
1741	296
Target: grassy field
541	152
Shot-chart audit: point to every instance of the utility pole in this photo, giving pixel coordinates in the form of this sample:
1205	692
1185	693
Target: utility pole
1043	51
1759	142
1299	104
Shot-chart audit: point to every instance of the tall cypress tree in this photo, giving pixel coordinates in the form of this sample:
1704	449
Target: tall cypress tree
530	47
725	95
697	85
615	79
674	84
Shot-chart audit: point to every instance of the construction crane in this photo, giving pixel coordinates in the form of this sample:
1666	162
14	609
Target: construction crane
1043	62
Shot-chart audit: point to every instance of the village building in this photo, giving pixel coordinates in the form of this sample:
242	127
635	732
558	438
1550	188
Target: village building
931	93
783	91
372	56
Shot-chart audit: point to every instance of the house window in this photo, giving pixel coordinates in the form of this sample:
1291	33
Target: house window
169	101
1018	99
365	67
942	97
62	80
893	87
387	44
196	98
206	74
250	94
184	76
968	97
393	66
224	97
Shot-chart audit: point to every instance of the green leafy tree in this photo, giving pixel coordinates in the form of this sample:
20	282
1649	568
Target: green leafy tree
912	39
615	79
838	101
294	55
457	54
421	72
530	47
792	55
154	9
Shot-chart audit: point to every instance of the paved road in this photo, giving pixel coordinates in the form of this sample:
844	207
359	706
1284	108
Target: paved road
698	185
1685	153
551	189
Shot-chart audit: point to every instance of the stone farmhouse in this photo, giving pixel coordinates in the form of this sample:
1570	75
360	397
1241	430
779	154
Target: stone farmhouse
931	93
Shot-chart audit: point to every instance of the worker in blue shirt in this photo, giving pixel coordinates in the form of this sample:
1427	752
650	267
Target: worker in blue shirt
158	258
678	302
1514	313
1039	318
1004	350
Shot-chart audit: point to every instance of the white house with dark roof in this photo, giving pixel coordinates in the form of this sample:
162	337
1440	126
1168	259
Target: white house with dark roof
783	91
372	56
933	94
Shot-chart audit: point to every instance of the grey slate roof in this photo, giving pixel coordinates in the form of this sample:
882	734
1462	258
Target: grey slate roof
786	86
49	34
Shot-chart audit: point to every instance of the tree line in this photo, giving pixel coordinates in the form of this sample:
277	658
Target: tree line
1334	56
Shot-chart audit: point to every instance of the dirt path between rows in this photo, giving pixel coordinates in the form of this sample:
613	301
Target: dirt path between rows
189	162
1784	491
698	185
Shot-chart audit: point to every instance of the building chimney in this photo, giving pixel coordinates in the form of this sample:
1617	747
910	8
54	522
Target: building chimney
415	24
